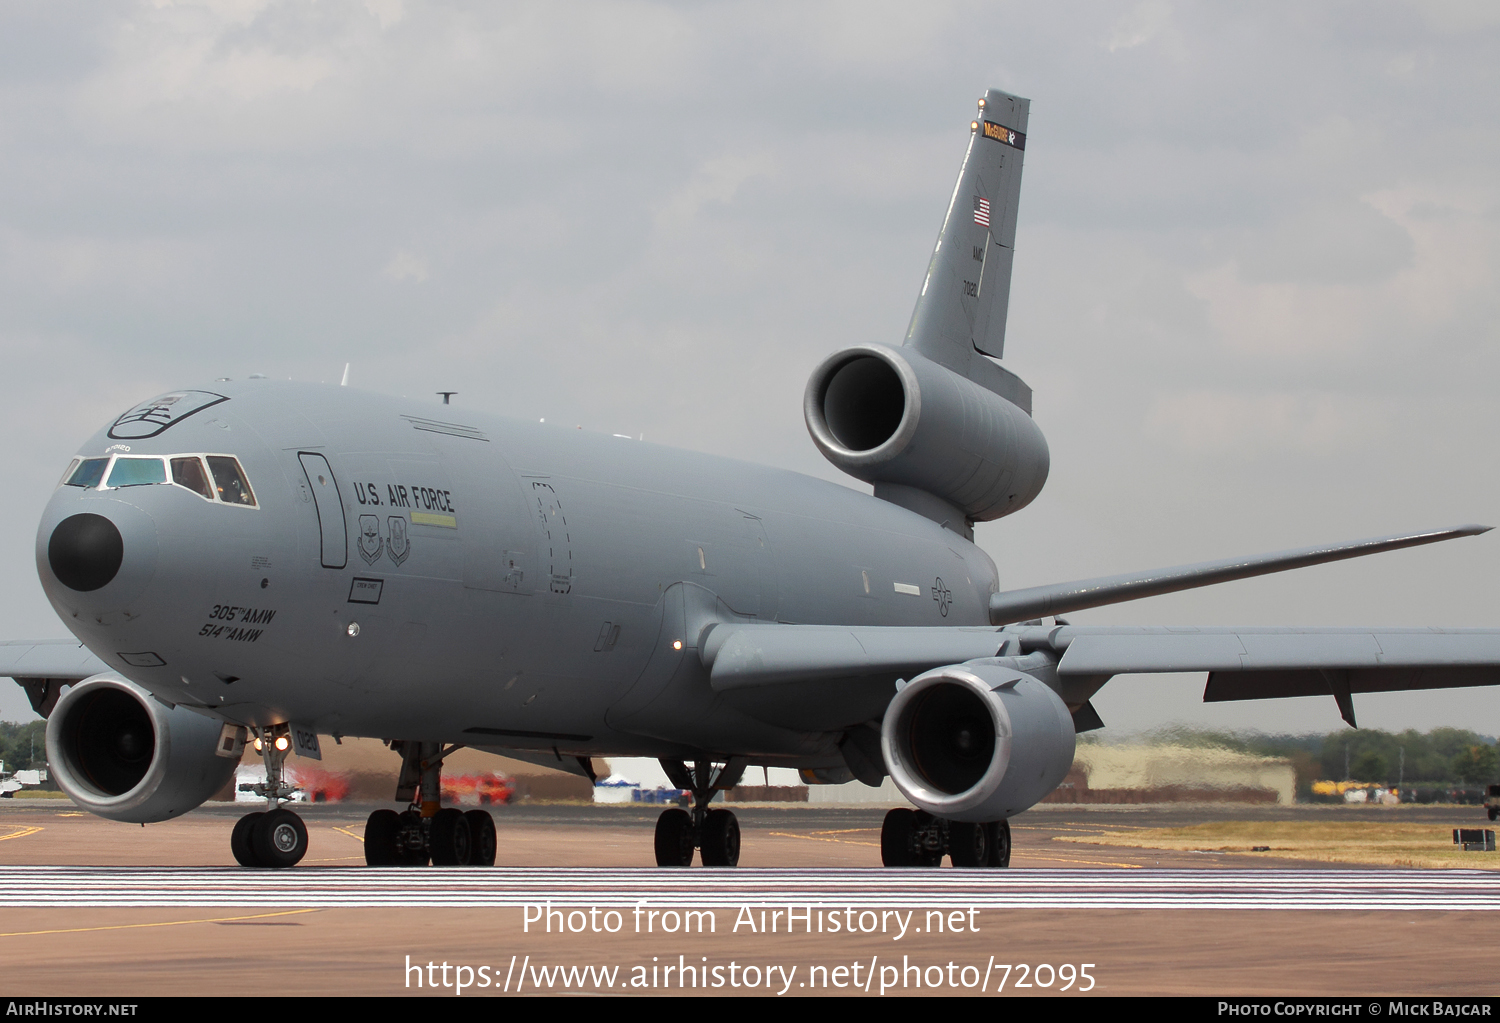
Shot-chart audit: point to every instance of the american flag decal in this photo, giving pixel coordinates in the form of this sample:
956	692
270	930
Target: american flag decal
981	211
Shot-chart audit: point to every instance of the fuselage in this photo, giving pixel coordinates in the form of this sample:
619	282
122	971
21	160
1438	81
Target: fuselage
399	569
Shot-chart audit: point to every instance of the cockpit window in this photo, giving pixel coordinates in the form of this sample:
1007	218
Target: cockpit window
88	473
137	472
187	471
216	478
229	479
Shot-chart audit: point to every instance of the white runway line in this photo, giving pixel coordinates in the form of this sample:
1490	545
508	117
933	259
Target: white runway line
493	887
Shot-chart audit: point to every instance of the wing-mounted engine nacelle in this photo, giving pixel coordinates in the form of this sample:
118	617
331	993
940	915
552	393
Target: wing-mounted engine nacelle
892	416
122	754
977	742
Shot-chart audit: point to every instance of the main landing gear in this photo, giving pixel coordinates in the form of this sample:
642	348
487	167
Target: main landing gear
275	837
715	833
915	838
427	832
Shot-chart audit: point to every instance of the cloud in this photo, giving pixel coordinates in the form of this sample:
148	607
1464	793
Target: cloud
1261	425
405	266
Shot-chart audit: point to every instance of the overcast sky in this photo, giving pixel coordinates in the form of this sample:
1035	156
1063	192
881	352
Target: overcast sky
1257	282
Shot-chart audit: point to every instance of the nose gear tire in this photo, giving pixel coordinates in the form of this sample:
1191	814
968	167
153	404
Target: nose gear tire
279	839
239	840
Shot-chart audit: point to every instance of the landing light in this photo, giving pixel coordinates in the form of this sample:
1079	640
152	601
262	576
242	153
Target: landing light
283	743
353	629
259	745
676	644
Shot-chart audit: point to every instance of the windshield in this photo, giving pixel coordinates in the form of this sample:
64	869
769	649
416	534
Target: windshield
137	472
216	478
230	480
89	472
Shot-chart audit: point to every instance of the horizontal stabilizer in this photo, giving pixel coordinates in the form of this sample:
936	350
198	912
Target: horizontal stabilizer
1061	598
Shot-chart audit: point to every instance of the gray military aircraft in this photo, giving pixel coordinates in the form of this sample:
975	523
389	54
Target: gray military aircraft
267	563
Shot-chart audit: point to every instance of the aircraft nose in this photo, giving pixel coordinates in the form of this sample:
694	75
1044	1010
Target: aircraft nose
85	551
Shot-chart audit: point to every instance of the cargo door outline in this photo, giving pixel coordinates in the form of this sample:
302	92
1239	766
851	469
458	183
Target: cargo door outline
333	532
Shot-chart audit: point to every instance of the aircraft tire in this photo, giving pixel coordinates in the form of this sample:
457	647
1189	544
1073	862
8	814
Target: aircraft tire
969	844
482	838
279	839
239	840
898	839
1494	812
999	836
674	838
450	841
411	820
721	839
382	830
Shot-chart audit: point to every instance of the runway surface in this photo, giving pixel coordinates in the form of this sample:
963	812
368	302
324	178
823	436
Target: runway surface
479	888
91	907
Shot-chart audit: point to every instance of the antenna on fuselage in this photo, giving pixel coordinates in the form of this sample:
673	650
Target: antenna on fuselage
446	395
345	382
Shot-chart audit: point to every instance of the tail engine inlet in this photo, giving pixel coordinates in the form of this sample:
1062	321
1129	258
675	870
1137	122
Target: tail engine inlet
894	418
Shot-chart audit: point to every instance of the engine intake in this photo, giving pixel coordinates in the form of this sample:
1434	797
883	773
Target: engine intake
121	753
976	741
891	416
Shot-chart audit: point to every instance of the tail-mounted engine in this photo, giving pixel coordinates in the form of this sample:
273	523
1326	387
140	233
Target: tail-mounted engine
122	754
977	742
894	418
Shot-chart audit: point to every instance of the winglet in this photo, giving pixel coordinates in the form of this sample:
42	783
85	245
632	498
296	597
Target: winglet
1060	598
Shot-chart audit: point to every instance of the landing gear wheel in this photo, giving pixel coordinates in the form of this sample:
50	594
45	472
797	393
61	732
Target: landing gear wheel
382	832
481	838
969	844
720	841
450	839
999	836
674	839
898	839
410	846
239	840
279	839
1494	812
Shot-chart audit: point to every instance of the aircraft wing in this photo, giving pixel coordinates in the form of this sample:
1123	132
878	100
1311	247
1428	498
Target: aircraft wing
43	667
830	677
1061	598
826	677
1269	663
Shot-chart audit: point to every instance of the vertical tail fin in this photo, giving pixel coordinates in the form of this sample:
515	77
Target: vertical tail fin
960	315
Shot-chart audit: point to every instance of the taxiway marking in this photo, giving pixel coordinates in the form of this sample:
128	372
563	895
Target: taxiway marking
158	923
19	833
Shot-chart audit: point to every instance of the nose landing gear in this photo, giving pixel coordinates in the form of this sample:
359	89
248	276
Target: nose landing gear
427	832
715	833
276	837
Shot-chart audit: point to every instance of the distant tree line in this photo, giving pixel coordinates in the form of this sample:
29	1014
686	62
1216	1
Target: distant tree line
1443	756
23	747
